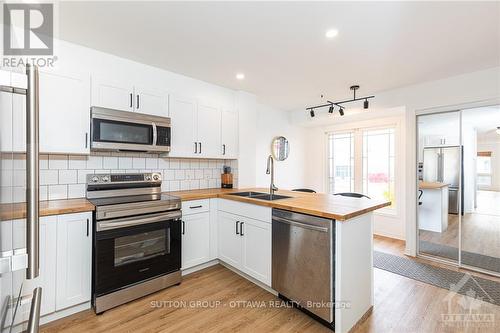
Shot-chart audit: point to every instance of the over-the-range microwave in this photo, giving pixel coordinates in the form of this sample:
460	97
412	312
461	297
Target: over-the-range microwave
114	130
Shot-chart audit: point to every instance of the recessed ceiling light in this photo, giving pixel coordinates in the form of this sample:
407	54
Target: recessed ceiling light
331	33
240	76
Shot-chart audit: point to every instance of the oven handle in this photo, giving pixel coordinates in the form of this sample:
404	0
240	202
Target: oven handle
131	221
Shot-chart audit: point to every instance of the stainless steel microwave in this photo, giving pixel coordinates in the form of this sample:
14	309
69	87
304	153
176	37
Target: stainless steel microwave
113	130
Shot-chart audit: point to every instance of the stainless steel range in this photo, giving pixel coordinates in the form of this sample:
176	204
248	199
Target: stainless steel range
137	237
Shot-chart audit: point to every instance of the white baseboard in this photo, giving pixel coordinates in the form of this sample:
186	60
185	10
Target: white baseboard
249	278
199	267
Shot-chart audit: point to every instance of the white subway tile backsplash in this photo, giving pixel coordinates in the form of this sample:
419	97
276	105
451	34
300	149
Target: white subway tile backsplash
94	162
189	174
77	162
180	174
58	161
168	174
185	185
138	163
110	162
76	190
174	185
174	163
164	186
49	177
58	192
68	176
65	176
125	163
82	175
43	192
151	163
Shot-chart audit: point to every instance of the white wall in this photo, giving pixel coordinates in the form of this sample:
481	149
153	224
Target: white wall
475	89
290	173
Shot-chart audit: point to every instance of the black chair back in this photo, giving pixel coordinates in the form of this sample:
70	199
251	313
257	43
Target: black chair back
352	195
308	190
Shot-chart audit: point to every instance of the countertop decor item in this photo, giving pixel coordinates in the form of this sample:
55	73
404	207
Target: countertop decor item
226	177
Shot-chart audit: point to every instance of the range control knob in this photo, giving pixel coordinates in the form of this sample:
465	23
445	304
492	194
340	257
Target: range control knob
95	179
156	177
148	178
105	179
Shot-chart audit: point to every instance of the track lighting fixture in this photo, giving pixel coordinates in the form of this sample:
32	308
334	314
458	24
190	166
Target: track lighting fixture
331	105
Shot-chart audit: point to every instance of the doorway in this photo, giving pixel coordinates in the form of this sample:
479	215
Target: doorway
458	208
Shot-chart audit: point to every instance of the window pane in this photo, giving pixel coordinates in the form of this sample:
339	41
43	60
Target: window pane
484	165
341	162
378	164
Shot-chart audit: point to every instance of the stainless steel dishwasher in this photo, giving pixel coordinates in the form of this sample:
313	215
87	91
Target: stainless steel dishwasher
303	262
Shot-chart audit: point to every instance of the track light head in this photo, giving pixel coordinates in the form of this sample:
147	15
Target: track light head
311	112
330	110
365	104
341	111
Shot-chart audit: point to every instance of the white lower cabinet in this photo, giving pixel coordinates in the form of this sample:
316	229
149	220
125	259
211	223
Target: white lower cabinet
74	259
229	239
245	244
195	239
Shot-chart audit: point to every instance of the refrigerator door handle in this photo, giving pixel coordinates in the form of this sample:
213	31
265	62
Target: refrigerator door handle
32	173
34	318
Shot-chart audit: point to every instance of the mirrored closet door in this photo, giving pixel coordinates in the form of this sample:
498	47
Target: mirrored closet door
458	209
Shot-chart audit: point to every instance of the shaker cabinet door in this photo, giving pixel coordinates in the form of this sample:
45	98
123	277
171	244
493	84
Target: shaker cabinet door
195	239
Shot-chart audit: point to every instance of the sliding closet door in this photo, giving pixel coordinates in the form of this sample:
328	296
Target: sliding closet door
439	185
481	218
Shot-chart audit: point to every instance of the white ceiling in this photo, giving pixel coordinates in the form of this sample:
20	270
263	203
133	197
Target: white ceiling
281	46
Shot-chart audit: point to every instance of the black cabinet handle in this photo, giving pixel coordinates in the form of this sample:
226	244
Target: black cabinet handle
223	149
137	102
237	232
88	227
200	146
196	147
183	227
131	99
193	207
86	139
241	228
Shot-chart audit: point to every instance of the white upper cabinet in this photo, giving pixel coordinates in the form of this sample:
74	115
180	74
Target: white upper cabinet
64	101
229	134
151	101
182	117
112	95
126	96
209	131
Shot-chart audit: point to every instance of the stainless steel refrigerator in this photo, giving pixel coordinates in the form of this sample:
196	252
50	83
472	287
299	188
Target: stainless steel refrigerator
445	165
20	297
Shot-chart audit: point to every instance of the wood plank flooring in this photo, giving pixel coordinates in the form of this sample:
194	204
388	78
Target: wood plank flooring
401	305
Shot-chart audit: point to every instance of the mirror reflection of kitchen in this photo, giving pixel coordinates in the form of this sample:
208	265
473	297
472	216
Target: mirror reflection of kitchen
459	187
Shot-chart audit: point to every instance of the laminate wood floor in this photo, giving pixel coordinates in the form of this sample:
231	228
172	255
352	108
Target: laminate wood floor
401	305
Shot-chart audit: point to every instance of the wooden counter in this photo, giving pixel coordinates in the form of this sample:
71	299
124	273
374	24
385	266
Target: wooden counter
51	207
431	185
324	205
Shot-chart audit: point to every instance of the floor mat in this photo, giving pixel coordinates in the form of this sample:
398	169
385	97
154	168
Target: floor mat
461	283
468	258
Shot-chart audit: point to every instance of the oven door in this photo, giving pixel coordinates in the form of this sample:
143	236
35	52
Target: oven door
131	250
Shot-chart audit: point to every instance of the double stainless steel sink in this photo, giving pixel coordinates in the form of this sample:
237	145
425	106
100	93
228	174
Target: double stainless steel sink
260	195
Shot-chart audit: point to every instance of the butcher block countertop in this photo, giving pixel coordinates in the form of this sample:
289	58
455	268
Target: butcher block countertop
51	207
431	185
324	205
